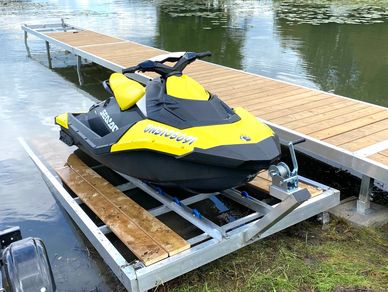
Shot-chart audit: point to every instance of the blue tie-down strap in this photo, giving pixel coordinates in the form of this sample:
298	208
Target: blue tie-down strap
196	213
160	191
177	201
245	194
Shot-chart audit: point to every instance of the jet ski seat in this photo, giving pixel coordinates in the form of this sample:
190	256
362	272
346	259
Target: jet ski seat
126	91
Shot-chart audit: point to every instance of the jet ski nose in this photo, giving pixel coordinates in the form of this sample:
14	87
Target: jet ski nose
249	156
269	148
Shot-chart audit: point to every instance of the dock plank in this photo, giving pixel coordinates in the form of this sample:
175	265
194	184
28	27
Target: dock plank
61	157
163	235
379	158
143	246
340	119
327	115
82	38
351	125
286	102
280	112
357	133
366	141
311	113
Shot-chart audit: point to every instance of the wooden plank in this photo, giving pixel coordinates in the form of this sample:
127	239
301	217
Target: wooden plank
212	78
333	114
272	114
213	71
236	89
82	38
290	102
163	235
249	95
326	133
262	182
226	82
384	152
123	54
57	155
357	114
309	113
252	99
285	102
366	141
143	246
358	133
54	152
267	92
379	158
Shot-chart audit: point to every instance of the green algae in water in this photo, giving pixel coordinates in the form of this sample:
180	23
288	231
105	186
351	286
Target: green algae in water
340	12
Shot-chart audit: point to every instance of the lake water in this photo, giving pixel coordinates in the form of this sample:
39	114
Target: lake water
337	46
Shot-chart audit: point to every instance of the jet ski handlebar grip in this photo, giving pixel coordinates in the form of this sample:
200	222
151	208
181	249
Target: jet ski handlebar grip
301	140
204	54
132	69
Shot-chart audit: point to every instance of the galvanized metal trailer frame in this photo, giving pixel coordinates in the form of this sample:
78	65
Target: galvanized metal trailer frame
356	162
215	242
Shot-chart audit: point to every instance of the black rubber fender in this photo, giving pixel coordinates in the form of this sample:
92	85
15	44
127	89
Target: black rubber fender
26	266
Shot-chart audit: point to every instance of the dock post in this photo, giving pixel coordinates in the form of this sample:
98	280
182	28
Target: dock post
363	202
26	44
80	77
63	25
48	54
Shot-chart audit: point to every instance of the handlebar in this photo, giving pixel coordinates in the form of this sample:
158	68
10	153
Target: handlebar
165	70
132	69
204	54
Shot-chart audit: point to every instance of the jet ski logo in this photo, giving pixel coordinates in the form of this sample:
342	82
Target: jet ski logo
108	121
173	135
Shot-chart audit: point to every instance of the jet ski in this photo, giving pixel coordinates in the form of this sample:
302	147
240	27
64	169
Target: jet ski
171	131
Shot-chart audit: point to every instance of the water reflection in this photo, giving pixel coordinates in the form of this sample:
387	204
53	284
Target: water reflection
349	60
318	12
201	26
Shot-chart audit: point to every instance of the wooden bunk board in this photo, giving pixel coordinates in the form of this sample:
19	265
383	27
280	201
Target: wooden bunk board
346	123
147	237
262	182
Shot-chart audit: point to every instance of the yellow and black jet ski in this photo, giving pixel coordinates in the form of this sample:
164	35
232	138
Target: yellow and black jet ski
171	132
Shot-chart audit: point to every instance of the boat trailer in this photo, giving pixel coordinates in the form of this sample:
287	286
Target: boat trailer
292	198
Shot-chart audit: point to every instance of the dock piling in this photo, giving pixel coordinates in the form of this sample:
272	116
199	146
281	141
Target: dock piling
363	202
48	55
26	44
63	24
79	73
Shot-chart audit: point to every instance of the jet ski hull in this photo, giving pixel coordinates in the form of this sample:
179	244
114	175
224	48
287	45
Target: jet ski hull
201	171
169	171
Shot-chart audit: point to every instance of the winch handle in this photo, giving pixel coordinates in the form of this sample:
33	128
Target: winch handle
291	145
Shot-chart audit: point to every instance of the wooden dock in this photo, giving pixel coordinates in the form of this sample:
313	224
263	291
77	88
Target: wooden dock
350	133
